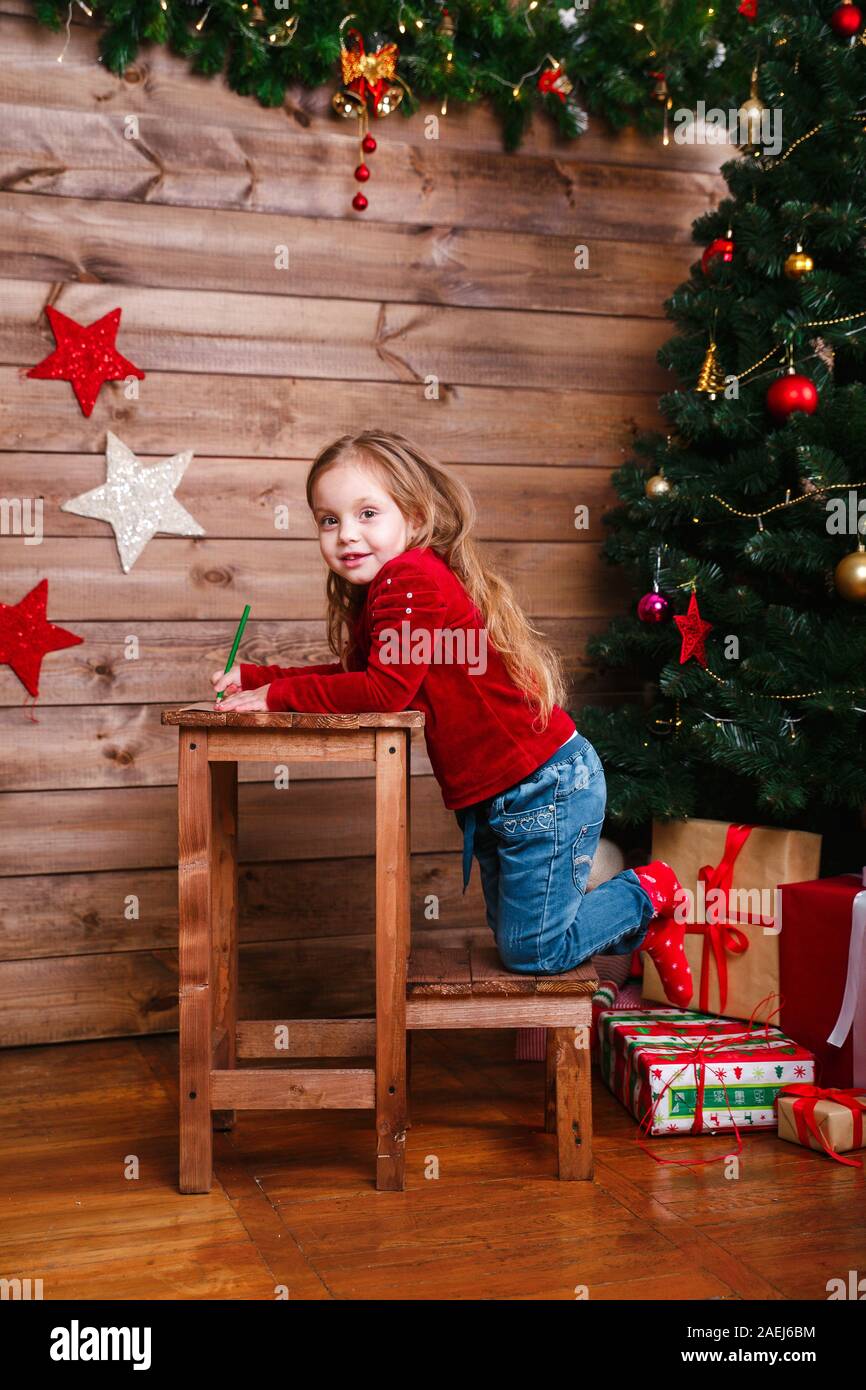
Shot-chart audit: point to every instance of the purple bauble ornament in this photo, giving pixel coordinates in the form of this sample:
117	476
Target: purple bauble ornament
653	608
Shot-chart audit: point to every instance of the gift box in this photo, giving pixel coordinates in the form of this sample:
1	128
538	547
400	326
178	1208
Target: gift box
823	1118
681	1071
731	873
822	954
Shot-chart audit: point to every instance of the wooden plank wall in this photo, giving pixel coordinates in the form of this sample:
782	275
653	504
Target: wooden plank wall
463	268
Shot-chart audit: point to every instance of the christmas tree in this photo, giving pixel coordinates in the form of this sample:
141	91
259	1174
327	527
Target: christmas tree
743	527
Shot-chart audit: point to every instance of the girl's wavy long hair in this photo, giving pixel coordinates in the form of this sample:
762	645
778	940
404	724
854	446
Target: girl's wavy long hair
422	488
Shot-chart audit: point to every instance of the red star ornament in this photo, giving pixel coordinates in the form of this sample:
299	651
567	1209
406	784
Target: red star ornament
694	630
85	355
26	636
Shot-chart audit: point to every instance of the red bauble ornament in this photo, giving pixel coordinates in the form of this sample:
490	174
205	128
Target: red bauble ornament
693	630
789	393
653	608
721	247
368	144
846	20
362	173
26	636
85	355
359	202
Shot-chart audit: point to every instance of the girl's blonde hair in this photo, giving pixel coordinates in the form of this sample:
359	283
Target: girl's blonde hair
421	488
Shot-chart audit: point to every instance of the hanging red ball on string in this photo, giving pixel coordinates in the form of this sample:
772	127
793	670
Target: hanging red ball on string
359	202
789	393
362	173
846	20
368	144
720	249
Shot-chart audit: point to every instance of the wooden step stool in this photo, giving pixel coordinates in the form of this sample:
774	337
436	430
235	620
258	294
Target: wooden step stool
212	1087
469	988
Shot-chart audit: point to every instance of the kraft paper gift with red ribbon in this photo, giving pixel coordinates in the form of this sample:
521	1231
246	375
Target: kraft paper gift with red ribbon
682	1072
731	872
822	952
823	1117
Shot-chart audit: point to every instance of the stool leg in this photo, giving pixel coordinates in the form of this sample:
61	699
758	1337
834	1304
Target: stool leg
573	1104
195	872
392	950
550	1082
224	919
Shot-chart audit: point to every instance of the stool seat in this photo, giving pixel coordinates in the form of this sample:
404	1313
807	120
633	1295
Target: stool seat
468	987
477	971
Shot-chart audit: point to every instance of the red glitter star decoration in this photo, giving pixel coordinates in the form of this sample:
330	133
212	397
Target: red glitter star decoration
85	355
694	630
26	636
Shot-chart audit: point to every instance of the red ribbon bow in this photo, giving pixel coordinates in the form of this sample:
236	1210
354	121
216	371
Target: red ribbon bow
748	9
851	1097
358	67
720	937
548	80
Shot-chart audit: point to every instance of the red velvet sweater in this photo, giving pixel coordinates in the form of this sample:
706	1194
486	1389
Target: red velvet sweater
419	642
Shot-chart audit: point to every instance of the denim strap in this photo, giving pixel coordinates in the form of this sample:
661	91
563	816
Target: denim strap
468	844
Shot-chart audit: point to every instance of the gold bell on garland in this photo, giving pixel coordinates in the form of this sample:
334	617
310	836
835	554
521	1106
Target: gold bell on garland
798	264
850	575
711	378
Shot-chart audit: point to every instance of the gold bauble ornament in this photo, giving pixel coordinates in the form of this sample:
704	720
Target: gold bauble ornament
850	575
658	486
798	264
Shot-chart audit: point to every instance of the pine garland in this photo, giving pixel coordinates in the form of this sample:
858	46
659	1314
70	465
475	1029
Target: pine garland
450	50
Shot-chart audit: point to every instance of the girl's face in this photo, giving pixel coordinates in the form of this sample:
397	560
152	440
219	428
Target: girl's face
360	525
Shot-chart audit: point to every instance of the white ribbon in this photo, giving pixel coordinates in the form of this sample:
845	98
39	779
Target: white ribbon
853	1011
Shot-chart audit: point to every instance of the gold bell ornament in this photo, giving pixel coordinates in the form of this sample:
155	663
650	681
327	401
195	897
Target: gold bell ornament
750	117
367	86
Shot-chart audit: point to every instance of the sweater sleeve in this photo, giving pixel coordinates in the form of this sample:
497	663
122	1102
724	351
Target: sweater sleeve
252	676
407	610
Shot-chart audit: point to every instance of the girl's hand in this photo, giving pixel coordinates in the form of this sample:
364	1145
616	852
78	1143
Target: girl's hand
244	701
229	681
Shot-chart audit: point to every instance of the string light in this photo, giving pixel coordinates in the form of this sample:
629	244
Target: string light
789	501
87	11
201	22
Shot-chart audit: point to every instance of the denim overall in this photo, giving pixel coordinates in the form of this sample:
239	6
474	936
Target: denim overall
535	843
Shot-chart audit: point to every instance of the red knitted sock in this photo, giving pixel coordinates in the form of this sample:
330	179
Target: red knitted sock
664	944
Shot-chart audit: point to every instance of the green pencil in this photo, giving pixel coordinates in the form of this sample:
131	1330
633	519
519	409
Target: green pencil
235	644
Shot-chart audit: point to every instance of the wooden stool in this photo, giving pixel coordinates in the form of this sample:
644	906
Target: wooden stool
469	988
212	1087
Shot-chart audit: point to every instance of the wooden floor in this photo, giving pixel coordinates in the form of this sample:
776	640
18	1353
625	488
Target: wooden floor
293	1203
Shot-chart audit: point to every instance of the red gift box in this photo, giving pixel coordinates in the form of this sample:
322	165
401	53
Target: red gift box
822	966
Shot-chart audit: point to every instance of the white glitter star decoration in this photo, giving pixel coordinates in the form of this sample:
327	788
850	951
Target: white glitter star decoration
137	500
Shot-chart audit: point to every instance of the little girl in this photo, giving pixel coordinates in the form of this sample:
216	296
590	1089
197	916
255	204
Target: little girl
430	626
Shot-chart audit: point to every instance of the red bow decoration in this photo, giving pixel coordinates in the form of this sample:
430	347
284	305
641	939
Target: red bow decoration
368	73
851	1097
554	80
749	9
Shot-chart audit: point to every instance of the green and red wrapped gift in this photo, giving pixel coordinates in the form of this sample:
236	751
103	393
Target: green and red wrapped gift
680	1071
